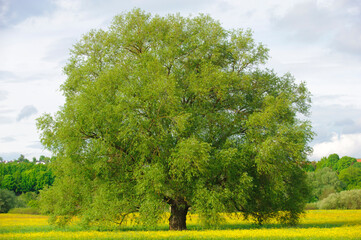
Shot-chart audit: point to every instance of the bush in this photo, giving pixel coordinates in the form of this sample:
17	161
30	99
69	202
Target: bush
34	211
28	199
311	206
7	200
343	200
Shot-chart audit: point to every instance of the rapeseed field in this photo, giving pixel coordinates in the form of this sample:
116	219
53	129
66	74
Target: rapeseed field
316	224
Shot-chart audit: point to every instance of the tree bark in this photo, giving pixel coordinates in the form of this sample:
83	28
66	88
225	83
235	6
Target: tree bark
178	215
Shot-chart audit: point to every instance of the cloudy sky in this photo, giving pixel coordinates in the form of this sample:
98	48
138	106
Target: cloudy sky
318	41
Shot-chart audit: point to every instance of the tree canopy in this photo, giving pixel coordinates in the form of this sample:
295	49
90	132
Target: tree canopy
336	163
351	176
324	181
174	113
333	174
23	176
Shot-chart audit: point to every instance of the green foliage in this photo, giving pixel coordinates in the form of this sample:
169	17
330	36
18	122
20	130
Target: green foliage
8	182
331	162
173	110
342	200
23	176
324	182
29	199
310	166
351	177
7	200
24	210
311	206
344	163
347	169
357	165
336	163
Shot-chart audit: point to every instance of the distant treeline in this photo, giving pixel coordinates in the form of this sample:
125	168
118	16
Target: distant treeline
333	174
22	175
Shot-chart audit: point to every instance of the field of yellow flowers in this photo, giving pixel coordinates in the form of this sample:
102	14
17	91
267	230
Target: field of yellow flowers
316	224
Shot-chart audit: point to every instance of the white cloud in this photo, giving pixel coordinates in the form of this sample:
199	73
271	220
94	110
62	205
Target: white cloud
343	145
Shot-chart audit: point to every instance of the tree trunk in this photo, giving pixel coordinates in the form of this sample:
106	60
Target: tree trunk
178	215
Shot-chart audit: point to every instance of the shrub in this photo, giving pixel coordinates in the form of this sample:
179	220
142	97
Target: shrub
311	206
7	200
343	200
351	177
28	199
24	211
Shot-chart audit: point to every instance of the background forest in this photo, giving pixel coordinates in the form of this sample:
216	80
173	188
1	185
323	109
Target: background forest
335	181
21	180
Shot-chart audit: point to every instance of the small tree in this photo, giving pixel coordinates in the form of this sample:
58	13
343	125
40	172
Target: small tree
351	176
174	111
344	163
331	162
7	200
324	182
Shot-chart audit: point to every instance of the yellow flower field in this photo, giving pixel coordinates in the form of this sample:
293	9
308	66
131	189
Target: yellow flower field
334	233
317	224
7	220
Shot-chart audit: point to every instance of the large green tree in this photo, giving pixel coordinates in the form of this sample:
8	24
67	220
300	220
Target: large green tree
174	112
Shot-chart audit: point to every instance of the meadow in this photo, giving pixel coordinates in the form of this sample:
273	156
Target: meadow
315	224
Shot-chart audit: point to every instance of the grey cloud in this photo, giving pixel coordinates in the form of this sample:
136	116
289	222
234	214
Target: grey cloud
6	76
26	112
9	156
9	77
345	122
3	95
329	119
351	129
6	110
176	5
59	50
337	24
348	39
36	77
7	139
170	6
326	97
305	21
188	5
5	119
4	9
15	11
114	7
4	115
348	126
36	145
